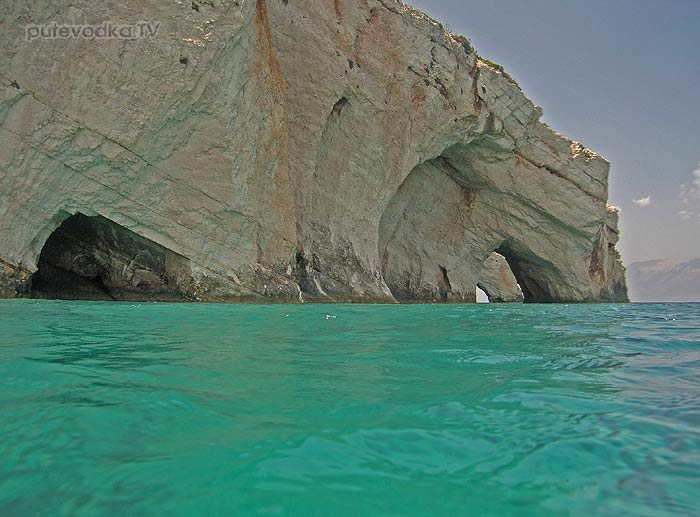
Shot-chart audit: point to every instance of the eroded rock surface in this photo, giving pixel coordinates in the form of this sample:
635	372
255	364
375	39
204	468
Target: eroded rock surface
498	281
317	150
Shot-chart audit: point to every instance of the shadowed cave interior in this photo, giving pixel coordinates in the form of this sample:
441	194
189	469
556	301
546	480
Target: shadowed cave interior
94	258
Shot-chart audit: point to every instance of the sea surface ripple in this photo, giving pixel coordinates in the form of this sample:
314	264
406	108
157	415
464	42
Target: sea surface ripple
177	409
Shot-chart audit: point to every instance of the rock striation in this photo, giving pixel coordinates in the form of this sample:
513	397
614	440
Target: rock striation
345	150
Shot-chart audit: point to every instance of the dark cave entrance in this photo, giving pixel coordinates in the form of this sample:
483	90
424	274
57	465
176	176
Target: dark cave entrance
534	275
94	258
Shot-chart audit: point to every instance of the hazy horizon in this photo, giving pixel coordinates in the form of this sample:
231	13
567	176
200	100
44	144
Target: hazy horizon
622	79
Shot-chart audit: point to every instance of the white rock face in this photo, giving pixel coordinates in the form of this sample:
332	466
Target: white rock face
498	281
344	150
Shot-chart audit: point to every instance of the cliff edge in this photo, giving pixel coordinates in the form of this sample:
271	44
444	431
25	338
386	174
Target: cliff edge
326	150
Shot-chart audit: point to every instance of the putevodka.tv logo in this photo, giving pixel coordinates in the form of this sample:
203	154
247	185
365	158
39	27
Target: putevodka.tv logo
104	30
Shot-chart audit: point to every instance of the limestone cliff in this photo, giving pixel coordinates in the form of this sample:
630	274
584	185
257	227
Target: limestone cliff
346	150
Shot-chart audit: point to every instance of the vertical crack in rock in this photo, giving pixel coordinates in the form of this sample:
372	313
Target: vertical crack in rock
444	286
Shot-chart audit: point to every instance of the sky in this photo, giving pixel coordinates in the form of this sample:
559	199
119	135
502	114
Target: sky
623	78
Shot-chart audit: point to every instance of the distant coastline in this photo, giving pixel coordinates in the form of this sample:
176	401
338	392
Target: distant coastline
664	280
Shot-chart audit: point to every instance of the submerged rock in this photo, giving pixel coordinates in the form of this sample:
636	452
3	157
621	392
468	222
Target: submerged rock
320	151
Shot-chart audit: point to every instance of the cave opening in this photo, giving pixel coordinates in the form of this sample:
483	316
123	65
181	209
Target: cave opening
531	272
482	296
94	258
439	225
422	235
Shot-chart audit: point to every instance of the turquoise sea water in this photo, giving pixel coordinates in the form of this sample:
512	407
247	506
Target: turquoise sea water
157	409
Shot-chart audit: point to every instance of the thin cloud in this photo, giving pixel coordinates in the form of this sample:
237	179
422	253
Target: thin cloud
643	202
690	197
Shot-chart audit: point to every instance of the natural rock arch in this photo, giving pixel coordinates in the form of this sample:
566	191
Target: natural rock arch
426	247
94	258
421	234
439	231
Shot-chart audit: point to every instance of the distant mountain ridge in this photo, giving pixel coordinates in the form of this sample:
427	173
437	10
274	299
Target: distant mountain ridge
664	281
